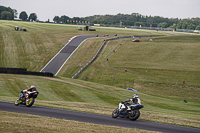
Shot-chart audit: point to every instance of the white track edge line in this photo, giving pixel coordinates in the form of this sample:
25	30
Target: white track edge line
56	55
70	56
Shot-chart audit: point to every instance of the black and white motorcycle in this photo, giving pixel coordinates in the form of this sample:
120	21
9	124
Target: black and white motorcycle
129	110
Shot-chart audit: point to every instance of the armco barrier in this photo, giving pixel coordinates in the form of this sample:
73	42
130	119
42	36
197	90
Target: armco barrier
94	58
12	70
24	72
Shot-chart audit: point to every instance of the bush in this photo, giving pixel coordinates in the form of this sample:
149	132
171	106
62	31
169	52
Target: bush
197	28
5	15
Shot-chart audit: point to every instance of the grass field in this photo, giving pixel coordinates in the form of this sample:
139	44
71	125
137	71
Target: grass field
33	49
156	69
152	66
12	122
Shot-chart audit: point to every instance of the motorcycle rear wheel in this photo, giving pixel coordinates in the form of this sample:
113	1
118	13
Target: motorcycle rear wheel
134	115
29	102
115	113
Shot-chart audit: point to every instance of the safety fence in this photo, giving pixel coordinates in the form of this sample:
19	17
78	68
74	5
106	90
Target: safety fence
153	28
97	54
132	27
24	71
94	58
105	41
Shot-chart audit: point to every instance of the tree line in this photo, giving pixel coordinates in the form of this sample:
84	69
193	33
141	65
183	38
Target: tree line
67	20
134	19
7	13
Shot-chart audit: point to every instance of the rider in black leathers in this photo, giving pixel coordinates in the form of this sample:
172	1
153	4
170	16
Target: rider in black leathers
23	94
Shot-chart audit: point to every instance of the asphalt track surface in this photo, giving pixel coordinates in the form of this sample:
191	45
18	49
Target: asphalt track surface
95	118
53	66
56	63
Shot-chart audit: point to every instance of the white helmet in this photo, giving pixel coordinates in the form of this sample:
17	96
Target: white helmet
135	96
32	86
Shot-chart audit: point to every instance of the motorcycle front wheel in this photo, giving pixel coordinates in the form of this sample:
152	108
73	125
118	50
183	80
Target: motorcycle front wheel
17	102
134	115
29	102
115	113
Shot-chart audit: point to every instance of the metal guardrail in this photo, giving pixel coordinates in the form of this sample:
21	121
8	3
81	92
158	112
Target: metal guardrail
94	58
154	28
135	27
24	71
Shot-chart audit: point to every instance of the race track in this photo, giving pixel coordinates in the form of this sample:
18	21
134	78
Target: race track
56	63
95	118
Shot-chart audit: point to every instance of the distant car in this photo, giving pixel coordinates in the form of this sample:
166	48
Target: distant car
79	28
136	40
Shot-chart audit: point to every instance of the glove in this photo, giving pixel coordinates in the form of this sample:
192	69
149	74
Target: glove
123	102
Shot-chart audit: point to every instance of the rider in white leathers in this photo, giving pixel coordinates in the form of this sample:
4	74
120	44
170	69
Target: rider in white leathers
135	99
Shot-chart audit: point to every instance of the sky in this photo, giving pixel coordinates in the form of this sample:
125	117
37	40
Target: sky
48	9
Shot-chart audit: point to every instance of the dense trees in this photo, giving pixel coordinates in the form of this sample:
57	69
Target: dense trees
6	13
23	16
32	17
197	28
134	19
163	25
67	20
64	19
56	19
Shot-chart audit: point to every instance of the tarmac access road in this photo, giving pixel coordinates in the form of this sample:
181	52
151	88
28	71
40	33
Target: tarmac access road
95	118
56	63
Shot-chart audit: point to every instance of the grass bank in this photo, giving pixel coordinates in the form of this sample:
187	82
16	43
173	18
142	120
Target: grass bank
34	48
155	68
14	122
79	95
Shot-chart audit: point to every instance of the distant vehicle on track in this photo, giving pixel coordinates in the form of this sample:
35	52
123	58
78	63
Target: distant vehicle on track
136	40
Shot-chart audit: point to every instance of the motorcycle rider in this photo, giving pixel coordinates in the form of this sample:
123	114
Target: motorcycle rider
24	93
135	100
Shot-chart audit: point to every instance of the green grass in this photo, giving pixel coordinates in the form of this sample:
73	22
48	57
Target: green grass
12	122
79	95
156	69
34	48
152	66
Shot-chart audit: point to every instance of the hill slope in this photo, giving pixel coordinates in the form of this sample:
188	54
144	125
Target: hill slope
148	72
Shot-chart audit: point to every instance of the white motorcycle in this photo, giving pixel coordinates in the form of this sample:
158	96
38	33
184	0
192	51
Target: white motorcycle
129	110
